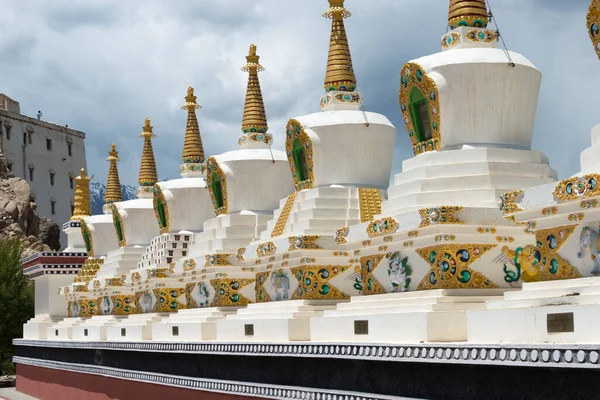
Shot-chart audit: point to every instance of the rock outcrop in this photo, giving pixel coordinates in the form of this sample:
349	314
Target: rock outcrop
18	215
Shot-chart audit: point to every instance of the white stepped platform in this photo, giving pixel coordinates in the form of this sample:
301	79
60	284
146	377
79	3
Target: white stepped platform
471	177
63	329
135	327
424	316
275	321
37	327
191	325
95	328
565	311
318	211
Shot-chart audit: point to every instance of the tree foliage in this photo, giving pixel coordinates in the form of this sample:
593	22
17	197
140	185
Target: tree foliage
17	300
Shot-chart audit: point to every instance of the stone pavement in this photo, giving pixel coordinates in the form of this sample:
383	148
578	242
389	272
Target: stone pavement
11	393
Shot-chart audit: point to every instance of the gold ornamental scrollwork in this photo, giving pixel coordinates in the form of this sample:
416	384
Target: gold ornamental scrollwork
509	202
440	215
482	35
240	254
161	210
189	265
87	237
450	266
295	131
414	76
266	249
213	168
382	227
119	225
304	243
217	260
578	187
593	24
341	235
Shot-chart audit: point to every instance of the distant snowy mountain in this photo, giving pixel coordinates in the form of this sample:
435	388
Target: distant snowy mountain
97	191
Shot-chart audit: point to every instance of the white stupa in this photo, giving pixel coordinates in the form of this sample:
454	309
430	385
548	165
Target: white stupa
469	112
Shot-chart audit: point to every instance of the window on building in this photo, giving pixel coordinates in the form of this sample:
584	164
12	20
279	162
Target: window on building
9	166
7	128
70	149
24	138
31	174
53	207
48	144
70	181
30	137
419	114
52	178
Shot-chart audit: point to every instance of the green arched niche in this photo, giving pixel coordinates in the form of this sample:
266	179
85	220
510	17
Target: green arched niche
420	114
299	157
217	190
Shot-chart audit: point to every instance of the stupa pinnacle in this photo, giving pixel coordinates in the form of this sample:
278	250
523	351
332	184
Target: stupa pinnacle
113	184
254	122
193	152
82	196
340	73
148	175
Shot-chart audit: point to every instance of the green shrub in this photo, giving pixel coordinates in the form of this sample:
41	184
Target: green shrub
17	300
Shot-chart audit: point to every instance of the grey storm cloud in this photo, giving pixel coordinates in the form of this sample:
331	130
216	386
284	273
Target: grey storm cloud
102	66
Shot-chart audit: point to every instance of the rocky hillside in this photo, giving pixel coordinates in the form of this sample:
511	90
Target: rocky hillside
18	215
97	191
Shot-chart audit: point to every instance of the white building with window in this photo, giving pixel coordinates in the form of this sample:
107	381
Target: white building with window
47	155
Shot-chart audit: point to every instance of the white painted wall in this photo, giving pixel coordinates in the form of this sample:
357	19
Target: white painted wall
33	152
254	181
348	152
104	236
189	203
139	221
483	101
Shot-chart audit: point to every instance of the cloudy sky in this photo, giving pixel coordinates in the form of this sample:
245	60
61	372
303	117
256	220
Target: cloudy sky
102	66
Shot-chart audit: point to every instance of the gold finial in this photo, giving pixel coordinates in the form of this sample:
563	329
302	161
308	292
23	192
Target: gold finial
340	73
255	118
148	175
467	13
113	184
82	207
193	152
593	24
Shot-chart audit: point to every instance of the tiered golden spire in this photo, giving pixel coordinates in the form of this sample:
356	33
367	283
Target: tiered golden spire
148	175
255	118
467	13
82	207
593	24
193	152
340	73
113	184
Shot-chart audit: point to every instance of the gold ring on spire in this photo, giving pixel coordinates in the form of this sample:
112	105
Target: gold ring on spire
337	10
472	13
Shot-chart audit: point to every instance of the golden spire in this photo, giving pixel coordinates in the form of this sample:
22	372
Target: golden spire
467	13
340	73
113	184
148	175
593	24
82	206
255	118
193	152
